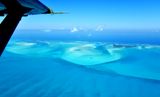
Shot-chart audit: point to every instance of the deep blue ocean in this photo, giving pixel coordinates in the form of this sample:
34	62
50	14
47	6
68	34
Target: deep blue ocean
40	63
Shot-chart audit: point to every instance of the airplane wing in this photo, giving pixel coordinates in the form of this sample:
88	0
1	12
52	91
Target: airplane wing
35	5
15	10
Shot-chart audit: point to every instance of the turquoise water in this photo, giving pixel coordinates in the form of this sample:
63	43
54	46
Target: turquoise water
79	69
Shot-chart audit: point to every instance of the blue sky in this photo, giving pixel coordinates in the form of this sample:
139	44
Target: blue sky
109	14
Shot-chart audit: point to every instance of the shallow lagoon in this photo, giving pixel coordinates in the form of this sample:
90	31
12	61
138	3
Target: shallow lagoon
79	69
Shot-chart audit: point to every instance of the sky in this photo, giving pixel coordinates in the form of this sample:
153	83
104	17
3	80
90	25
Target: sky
90	14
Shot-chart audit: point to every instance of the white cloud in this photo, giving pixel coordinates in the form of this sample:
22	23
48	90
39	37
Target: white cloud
74	29
100	28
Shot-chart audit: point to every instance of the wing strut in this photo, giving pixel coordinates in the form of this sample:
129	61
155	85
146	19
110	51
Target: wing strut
7	28
9	24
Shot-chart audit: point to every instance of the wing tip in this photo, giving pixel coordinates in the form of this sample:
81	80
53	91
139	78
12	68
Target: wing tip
50	11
